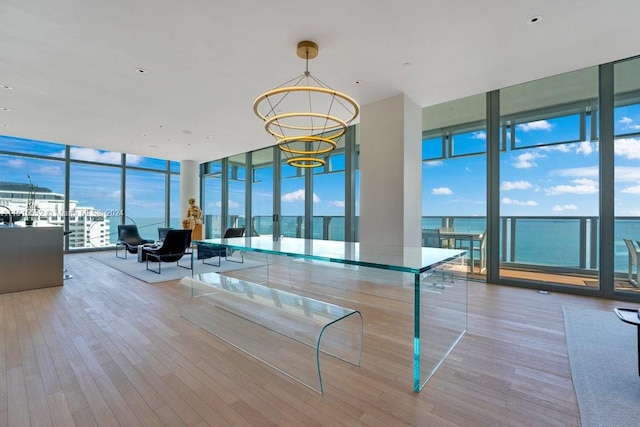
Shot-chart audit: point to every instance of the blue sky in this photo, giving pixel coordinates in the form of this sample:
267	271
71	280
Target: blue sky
550	180
92	186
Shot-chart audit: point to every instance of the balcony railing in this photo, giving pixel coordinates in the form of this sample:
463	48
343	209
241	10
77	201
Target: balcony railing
563	243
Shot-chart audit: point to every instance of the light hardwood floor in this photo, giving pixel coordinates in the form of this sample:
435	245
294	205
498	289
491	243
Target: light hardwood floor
107	349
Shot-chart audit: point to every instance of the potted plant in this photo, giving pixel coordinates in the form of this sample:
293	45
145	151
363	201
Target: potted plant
32	207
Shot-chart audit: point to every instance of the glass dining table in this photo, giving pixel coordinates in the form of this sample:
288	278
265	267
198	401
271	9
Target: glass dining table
438	328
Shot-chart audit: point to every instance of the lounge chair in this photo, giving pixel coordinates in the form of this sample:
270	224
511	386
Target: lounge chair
206	252
129	239
176	244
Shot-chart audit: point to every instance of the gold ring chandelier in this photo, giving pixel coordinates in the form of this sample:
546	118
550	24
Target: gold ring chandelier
316	118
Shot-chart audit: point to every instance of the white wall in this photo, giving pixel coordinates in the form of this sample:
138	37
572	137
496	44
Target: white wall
391	172
189	185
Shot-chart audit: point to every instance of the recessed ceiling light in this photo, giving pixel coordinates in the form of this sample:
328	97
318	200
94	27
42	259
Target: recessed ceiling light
5	87
357	82
4	125
4	109
534	20
141	70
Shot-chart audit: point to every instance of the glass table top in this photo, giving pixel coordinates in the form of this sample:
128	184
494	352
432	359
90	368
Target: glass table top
400	258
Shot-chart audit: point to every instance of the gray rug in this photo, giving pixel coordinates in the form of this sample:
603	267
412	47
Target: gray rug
169	271
604	366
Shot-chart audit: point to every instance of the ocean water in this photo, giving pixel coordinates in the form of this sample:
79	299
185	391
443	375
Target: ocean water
551	241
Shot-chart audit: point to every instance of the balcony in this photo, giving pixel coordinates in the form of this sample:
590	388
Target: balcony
557	250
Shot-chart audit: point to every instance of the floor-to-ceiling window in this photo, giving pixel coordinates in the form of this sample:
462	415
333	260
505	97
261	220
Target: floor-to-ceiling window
454	171
145	203
626	171
175	208
237	177
329	196
82	189
94	188
292	211
212	199
262	191
549	174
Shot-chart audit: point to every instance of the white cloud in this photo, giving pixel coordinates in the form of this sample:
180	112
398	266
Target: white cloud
336	204
590	171
628	148
627	173
563	148
294	196
625	121
16	164
584	181
537	125
628	123
508	201
515	185
561	208
298	196
442	191
93	155
586	148
527	160
132	159
582	186
432	164
480	135
632	190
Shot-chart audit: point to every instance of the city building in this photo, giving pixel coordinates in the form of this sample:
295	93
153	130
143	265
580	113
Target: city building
88	227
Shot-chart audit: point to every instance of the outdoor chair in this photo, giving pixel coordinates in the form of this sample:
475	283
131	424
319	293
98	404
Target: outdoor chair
449	243
431	238
464	244
176	244
206	252
129	239
633	260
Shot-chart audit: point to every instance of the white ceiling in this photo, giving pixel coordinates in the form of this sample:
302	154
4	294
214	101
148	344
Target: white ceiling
72	64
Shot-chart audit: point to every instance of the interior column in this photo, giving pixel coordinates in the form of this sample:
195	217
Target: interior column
391	172
189	185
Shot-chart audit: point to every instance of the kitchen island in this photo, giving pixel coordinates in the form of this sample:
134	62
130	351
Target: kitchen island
30	258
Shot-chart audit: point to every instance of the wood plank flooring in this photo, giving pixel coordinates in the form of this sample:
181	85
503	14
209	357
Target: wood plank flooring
109	350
